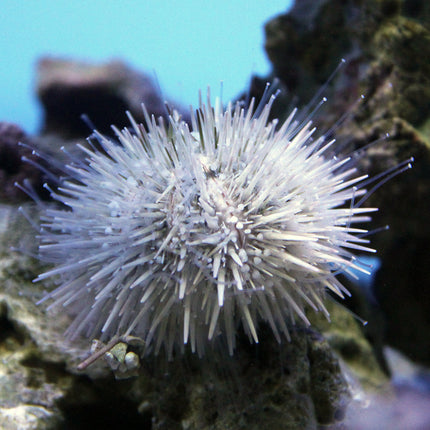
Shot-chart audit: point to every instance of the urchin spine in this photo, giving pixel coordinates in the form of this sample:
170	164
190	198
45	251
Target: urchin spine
178	235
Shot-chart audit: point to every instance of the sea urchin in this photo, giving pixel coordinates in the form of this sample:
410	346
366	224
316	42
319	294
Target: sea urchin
180	234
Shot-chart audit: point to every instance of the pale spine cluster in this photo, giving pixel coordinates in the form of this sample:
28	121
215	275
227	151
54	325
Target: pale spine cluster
181	234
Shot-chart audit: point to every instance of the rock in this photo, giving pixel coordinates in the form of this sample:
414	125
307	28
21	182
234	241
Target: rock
386	55
40	386
296	385
13	168
69	89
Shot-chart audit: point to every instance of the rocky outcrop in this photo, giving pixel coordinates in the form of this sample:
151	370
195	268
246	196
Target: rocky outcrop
386	47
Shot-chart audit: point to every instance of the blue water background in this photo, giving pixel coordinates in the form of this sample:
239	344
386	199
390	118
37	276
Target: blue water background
188	44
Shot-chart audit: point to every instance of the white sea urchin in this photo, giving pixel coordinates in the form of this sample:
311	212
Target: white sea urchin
179	235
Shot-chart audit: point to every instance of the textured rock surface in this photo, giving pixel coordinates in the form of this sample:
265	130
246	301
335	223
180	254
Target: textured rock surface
386	45
39	385
297	385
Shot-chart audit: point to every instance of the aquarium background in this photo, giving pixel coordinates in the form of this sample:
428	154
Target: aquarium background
185	45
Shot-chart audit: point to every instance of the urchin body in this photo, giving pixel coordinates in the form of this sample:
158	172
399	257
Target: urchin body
181	234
